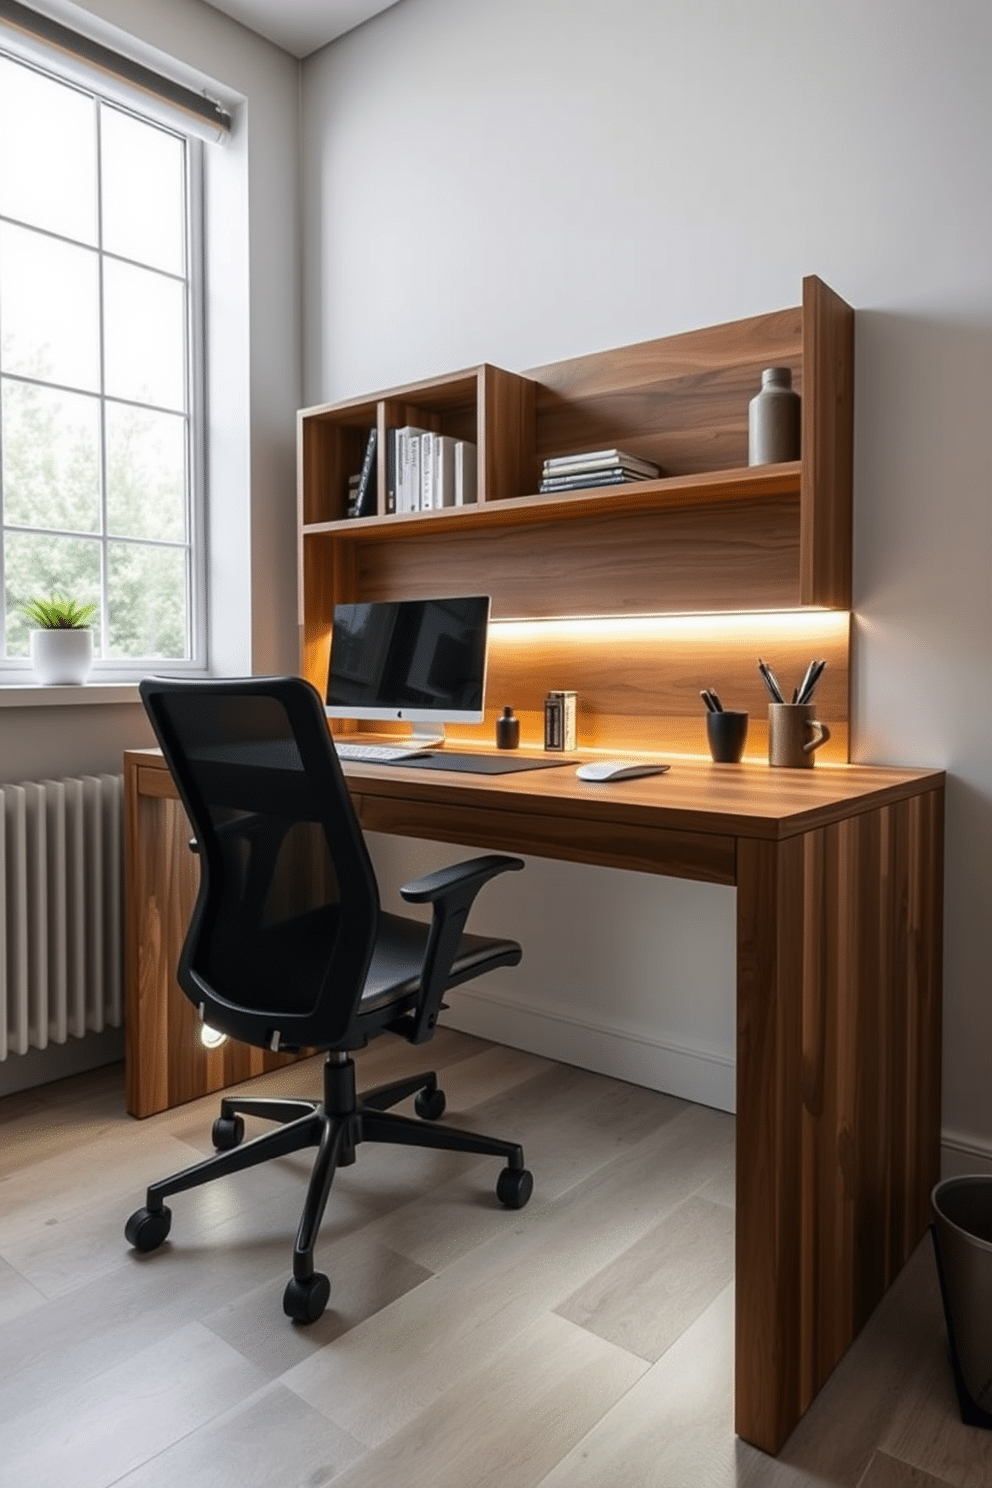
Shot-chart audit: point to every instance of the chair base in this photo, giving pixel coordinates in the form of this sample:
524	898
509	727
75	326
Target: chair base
336	1126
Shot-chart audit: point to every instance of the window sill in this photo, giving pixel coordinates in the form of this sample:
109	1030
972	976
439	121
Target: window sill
88	694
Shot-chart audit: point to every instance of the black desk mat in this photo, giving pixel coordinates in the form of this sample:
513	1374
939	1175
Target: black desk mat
478	764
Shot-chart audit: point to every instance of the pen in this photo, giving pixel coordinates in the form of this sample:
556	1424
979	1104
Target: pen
797	696
711	700
809	682
770	683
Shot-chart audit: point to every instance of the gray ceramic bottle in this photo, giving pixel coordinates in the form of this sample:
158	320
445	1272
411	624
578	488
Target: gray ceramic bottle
773	419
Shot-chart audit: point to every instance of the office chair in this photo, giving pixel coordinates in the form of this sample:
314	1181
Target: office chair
288	948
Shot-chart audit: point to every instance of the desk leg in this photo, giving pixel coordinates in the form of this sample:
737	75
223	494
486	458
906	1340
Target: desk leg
838	1091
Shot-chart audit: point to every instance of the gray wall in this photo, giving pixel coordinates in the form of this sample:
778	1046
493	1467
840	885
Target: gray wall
540	178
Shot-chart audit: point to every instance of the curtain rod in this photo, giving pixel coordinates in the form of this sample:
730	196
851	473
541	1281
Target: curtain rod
107	60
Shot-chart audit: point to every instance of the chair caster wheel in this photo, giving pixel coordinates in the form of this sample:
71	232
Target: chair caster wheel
514	1187
147	1228
429	1105
304	1301
227	1132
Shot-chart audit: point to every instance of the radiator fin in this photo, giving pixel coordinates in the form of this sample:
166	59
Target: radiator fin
61	920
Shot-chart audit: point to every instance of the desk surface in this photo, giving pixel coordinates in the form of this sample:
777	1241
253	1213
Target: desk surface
688	823
749	800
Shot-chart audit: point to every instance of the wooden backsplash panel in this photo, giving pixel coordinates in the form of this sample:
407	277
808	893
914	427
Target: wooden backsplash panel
708	558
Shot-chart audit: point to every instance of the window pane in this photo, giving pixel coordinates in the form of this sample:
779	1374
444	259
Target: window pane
37	567
146	599
51	457
96	487
146	473
49	309
143	192
49	178
144	336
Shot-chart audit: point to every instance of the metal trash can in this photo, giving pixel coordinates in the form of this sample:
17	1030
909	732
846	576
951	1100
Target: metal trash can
962	1234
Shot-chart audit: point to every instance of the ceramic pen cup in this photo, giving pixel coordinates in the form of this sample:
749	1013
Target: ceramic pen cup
794	734
727	735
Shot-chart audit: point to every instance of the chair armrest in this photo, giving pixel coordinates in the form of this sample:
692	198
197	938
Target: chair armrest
451	892
461	879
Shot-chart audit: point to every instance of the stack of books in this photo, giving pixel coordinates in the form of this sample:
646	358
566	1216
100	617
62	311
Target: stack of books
610	467
427	471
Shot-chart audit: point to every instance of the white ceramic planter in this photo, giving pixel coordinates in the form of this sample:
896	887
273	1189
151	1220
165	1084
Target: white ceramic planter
61	657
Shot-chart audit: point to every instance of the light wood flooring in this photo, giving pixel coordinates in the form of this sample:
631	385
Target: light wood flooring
583	1341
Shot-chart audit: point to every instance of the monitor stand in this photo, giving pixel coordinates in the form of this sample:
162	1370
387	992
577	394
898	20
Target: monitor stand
427	738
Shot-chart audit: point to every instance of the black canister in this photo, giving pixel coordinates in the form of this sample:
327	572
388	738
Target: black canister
507	730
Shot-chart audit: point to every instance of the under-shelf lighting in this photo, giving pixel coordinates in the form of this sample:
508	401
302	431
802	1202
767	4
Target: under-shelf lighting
211	1038
749	626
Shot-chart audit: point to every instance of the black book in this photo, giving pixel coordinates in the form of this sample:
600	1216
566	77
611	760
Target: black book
366	499
390	470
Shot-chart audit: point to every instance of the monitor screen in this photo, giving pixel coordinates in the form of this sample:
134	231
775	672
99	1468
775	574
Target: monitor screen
421	660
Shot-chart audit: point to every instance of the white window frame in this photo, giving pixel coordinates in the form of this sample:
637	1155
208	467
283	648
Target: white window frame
76	73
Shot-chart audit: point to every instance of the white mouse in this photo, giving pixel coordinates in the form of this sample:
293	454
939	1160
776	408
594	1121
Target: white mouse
602	771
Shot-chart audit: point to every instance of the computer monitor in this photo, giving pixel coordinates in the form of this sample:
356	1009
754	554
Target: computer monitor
422	661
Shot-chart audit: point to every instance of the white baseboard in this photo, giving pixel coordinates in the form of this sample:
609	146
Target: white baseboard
704	1076
962	1153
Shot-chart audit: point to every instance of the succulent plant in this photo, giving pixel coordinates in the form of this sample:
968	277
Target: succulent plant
57	613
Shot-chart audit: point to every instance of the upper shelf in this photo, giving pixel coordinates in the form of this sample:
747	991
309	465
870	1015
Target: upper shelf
746	483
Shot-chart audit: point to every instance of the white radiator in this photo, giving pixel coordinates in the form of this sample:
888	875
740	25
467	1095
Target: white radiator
61	936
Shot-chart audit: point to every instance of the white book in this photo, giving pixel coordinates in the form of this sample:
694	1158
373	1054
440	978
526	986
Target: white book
400	473
413	469
444	471
411	490
465	473
408	468
427	471
402	470
602	460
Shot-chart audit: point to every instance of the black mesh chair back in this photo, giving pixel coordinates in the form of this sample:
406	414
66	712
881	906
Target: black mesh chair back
285	921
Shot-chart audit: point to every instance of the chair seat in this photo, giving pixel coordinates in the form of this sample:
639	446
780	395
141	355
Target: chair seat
394	975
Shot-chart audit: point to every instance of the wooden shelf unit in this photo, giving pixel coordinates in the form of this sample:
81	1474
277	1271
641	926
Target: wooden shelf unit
713	536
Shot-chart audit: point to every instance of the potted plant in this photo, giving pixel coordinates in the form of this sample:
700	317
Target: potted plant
61	643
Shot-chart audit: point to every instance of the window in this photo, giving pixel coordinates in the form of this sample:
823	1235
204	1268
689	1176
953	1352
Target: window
100	485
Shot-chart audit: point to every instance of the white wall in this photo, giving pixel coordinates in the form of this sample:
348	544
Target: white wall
541	178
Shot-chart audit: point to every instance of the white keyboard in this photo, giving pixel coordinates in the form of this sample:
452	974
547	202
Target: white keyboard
377	754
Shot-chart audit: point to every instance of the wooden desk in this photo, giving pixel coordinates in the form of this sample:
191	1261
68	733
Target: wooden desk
839	926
